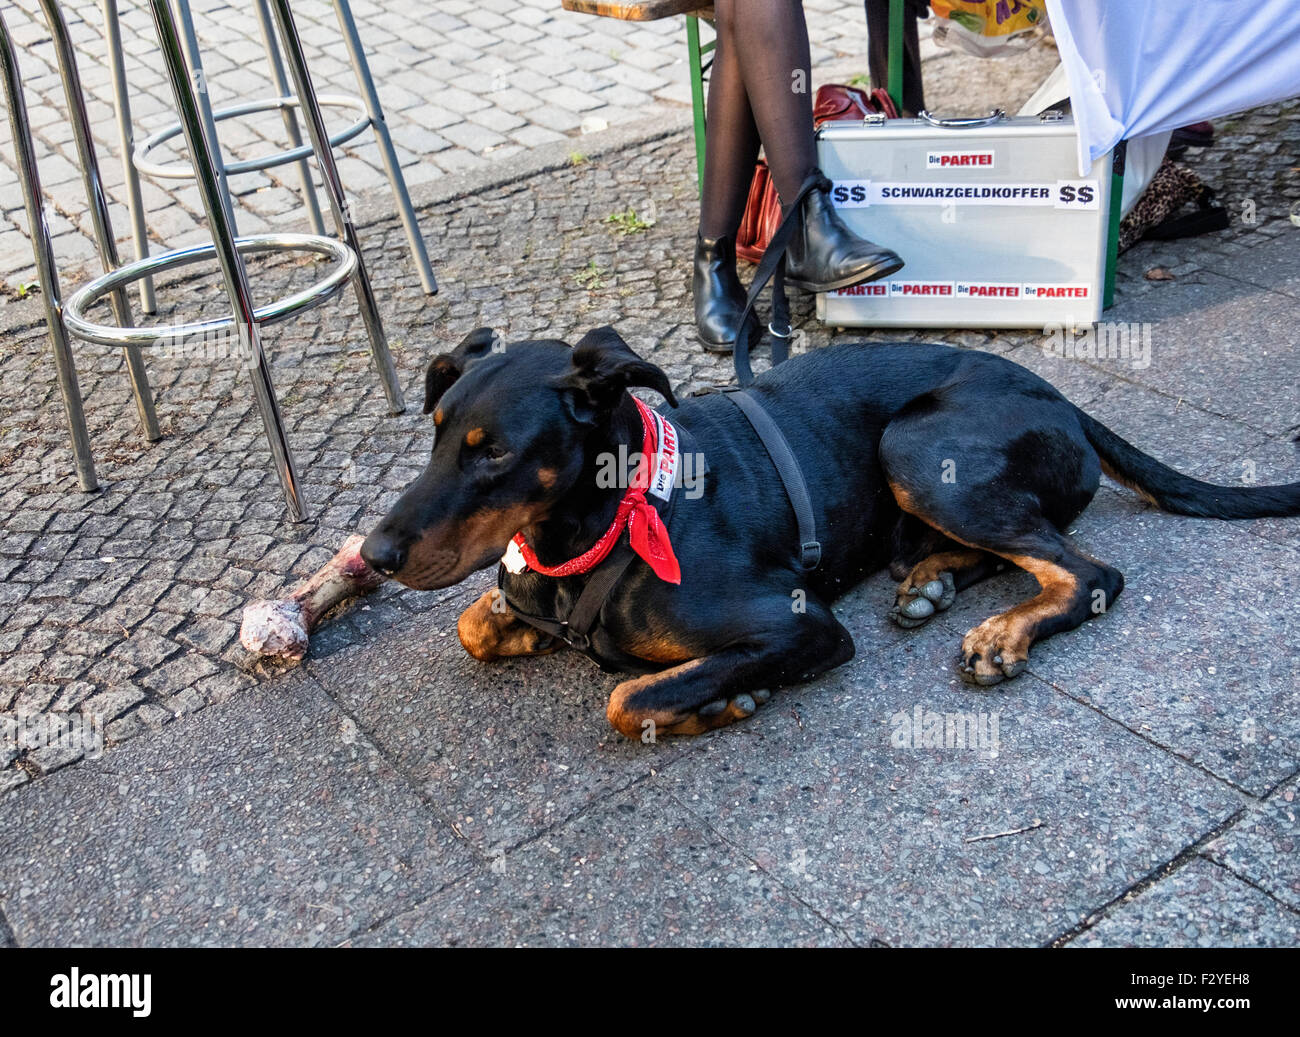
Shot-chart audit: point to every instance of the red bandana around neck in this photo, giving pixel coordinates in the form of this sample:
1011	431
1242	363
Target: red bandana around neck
645	531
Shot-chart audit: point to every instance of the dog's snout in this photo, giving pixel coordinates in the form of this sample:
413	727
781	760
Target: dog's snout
383	554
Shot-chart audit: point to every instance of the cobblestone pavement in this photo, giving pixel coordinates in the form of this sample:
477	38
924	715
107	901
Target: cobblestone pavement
462	84
1155	746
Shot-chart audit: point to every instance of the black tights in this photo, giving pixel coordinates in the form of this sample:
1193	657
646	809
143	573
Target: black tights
760	89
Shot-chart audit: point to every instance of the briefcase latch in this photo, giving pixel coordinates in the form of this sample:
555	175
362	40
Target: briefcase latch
873	119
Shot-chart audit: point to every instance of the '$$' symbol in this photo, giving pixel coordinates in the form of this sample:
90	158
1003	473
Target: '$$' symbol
1083	194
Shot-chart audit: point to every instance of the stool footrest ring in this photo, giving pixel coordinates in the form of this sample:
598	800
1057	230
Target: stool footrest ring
74	318
183	171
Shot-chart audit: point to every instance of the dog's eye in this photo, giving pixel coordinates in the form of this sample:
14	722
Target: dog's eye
495	452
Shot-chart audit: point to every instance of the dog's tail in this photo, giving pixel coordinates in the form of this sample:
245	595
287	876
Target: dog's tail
1181	494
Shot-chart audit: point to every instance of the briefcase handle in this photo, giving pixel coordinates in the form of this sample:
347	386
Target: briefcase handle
964	124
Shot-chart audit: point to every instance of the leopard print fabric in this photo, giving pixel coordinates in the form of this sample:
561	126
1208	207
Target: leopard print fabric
1170	189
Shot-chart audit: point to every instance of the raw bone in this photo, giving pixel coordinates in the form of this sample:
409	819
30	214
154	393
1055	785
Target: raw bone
281	629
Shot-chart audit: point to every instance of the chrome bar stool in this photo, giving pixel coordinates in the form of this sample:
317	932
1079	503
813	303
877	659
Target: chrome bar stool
137	158
245	325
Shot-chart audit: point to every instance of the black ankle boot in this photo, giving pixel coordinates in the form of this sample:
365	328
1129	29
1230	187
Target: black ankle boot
825	255
719	296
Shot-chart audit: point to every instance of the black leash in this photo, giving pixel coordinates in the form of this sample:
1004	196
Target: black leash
772	268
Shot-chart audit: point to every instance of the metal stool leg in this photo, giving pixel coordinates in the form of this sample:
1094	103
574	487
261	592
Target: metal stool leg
290	118
42	247
297	63
207	169
67	60
185	19
392	167
126	141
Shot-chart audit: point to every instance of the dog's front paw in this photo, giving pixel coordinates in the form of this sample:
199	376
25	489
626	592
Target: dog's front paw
916	603
490	631
993	652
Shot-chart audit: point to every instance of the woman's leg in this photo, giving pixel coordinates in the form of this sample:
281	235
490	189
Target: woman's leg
761	88
770	41
878	50
731	140
731	152
770	38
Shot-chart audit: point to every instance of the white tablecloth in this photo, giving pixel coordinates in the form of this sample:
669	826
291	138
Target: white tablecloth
1138	67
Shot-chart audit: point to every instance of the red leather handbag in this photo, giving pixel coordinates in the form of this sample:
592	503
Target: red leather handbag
763	209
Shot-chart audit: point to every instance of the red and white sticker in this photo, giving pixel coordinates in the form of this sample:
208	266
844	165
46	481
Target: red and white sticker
1056	291
959	160
988	290
921	289
876	289
663	473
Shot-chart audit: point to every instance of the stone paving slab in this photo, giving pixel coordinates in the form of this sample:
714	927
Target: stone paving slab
637	870
1277	266
271	820
1200	905
1223	346
1185	438
874	836
508	750
1198	654
1264	847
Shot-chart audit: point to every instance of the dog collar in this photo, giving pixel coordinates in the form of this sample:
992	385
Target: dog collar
656	473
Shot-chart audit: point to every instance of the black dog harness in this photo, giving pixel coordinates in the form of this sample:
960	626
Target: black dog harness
576	628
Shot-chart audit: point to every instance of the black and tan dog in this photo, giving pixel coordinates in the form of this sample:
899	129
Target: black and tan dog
944	464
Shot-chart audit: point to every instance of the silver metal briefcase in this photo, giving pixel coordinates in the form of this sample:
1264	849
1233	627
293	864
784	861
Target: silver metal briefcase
995	225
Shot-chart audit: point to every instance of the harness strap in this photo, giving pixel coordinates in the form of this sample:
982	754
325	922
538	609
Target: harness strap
586	610
787	467
772	268
576	630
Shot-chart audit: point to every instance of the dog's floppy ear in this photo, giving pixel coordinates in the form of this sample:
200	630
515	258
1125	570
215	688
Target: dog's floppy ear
445	368
603	367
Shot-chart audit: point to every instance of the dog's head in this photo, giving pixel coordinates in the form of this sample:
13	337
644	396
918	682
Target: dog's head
511	424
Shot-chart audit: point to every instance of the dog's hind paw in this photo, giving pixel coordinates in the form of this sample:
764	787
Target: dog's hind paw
992	653
635	723
916	604
743	705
